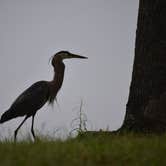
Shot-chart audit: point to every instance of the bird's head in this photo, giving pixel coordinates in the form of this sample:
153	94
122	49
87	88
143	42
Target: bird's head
60	56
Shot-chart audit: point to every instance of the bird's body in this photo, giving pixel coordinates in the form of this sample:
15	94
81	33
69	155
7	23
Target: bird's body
25	105
33	98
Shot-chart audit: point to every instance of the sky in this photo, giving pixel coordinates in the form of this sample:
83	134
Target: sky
104	31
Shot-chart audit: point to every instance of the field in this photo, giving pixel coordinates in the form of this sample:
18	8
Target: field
87	150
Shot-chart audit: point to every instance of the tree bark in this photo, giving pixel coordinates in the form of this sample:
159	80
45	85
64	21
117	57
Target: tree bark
146	106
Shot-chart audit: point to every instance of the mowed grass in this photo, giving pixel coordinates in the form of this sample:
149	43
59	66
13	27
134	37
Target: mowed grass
99	150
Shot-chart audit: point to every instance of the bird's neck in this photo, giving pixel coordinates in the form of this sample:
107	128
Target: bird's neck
57	81
58	77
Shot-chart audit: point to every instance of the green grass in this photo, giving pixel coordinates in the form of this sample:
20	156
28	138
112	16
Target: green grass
104	149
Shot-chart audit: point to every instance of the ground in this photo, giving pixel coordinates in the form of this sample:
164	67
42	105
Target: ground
87	150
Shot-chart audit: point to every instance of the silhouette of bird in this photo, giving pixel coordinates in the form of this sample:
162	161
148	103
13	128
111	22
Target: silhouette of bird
33	98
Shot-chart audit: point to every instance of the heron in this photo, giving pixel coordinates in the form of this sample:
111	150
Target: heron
39	93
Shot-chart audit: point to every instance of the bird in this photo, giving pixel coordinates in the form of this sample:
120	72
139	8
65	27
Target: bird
39	93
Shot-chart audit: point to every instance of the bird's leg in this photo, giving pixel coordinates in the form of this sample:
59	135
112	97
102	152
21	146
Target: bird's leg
15	133
32	131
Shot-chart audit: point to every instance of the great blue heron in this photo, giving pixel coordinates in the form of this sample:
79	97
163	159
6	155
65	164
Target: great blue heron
33	98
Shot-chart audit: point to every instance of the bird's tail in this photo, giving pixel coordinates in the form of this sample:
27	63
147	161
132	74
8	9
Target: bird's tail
7	115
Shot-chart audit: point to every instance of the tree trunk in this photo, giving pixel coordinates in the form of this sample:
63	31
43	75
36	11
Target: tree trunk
146	106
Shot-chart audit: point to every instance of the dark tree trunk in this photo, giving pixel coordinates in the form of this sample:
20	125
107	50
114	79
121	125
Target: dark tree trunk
146	107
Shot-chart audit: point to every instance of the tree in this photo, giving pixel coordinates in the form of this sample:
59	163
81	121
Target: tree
146	106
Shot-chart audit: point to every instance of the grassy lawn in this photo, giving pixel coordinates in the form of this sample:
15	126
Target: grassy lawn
104	149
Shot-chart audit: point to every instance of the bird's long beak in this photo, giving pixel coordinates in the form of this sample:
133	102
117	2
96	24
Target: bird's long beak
77	56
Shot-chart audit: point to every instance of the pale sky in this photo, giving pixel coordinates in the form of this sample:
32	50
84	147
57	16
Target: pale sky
103	30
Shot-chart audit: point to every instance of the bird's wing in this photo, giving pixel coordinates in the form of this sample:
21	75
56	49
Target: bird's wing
32	98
